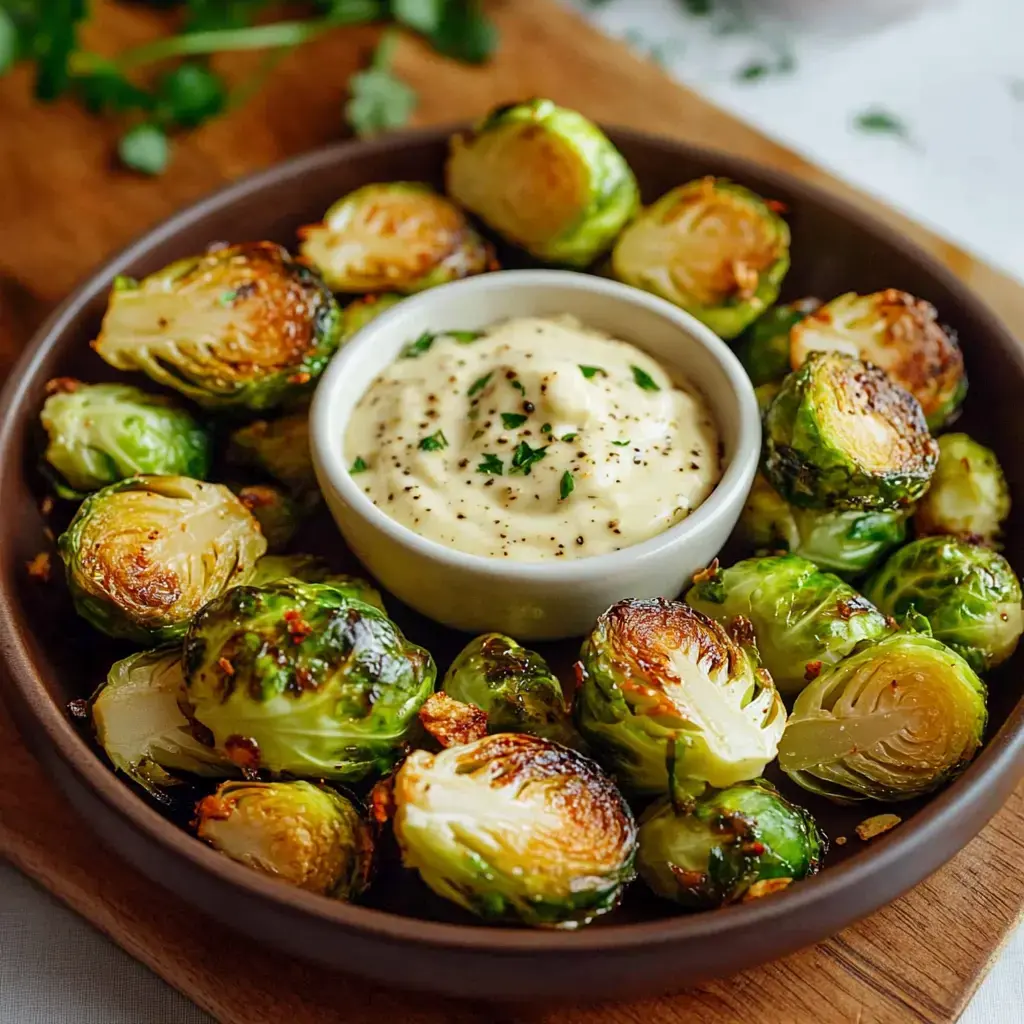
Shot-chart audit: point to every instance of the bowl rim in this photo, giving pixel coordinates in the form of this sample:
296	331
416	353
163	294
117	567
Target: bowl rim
728	491
998	767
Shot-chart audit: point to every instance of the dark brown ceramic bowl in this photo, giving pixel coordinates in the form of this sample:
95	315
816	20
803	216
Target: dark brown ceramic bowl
406	936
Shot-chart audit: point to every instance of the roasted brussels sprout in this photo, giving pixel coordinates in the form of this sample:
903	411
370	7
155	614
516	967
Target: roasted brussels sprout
308	836
514	686
841	435
764	349
140	725
101	433
242	326
279	448
399	236
765	394
804	619
968	496
546	179
713	248
663	686
143	555
276	513
968	593
356	315
892	721
847	543
515	828
733	844
303	678
899	334
313	569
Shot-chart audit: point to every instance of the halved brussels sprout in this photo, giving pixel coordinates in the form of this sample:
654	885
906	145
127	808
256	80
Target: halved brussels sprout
398	236
730	845
896	332
280	448
514	686
968	496
313	569
276	513
356	315
764	349
141	728
968	593
841	435
667	695
892	721
713	248
243	325
515	828
142	556
308	836
847	543
101	433
302	678
804	620
546	179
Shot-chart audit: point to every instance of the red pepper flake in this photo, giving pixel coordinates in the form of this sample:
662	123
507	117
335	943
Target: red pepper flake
776	206
213	808
40	566
78	708
756	849
226	667
62	385
812	671
298	628
243	751
299	378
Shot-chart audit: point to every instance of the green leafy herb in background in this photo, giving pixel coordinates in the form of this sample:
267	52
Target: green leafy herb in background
881	122
167	85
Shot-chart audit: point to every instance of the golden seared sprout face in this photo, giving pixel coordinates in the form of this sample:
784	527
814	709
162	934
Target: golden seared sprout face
101	433
841	435
140	725
308	836
711	247
664	686
968	497
243	326
395	237
898	333
893	721
546	179
144	555
515	828
279	448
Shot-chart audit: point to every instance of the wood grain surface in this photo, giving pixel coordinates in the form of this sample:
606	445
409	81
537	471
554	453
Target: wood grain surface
64	206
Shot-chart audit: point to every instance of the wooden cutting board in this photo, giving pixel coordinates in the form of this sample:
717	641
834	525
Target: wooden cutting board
64	207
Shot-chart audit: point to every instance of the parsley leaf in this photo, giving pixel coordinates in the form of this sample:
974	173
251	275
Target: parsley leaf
511	420
621	444
419	346
435	443
191	94
518	385
359	466
8	41
566	486
592	371
379	100
644	380
491	464
464	337
881	122
144	148
479	384
464	32
546	429
524	458
568	438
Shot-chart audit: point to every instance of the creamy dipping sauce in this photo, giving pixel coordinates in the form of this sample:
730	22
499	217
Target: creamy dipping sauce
538	439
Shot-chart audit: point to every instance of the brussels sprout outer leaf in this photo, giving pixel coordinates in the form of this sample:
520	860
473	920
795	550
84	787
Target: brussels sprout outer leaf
280	448
356	315
313	569
764	348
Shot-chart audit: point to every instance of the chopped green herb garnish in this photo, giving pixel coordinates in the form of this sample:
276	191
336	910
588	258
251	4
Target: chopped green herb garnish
518	385
359	466
435	443
512	420
465	337
546	429
644	380
593	371
479	384
567	485
524	458
226	298
881	122
491	464
419	346
621	444
568	438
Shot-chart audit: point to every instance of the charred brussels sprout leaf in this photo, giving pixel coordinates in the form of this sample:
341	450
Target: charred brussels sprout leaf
242	326
515	828
277	514
764	348
142	556
514	686
765	394
101	433
303	678
711	247
841	435
898	333
358	314
968	496
804	620
968	593
308	836
893	721
846	543
312	569
141	728
395	237
546	179
666	688
279	448
730	845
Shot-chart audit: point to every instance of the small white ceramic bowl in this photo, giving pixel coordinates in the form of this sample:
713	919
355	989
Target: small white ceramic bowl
535	600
